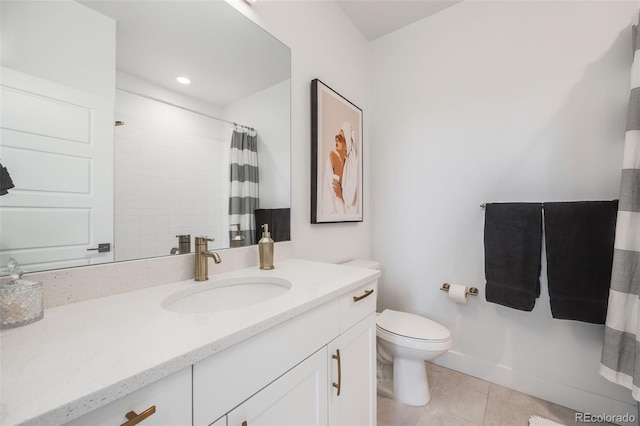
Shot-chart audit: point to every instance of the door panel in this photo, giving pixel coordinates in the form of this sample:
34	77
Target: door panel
57	144
298	398
354	372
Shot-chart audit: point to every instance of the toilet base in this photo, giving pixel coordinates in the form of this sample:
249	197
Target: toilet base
413	391
410	384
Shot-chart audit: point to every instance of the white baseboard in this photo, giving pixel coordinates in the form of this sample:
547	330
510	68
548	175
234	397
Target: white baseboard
539	387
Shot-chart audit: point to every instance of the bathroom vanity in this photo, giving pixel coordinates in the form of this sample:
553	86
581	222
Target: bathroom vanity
305	355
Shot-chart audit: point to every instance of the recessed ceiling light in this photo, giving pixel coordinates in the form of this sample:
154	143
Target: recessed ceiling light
183	80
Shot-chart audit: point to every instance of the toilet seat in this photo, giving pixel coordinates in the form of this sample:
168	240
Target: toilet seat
413	331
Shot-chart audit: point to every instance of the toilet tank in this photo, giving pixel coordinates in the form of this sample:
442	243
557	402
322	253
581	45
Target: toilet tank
363	263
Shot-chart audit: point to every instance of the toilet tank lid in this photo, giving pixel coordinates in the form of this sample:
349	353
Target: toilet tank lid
412	326
363	263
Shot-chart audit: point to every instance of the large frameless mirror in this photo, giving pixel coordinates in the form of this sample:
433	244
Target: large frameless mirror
109	157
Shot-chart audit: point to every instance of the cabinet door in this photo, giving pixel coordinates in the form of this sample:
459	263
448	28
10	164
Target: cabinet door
352	375
166	402
298	398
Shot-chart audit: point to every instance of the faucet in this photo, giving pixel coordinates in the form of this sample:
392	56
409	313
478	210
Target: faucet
184	244
202	263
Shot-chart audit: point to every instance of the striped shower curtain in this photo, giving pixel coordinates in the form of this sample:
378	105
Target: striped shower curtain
620	362
243	193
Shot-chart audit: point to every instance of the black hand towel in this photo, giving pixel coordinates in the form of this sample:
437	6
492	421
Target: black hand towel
512	246
5	181
579	241
279	221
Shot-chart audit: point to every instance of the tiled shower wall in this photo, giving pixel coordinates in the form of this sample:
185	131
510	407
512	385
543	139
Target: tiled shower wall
162	170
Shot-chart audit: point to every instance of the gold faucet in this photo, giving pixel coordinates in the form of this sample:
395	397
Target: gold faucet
202	253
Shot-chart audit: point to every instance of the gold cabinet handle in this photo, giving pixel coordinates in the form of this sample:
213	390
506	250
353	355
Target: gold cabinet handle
337	357
366	293
134	418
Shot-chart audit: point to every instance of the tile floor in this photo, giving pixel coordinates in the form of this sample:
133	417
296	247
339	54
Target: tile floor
461	400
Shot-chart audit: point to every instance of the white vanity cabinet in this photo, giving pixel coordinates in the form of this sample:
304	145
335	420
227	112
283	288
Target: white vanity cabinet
162	403
352	371
272	380
317	368
264	363
352	399
297	398
228	378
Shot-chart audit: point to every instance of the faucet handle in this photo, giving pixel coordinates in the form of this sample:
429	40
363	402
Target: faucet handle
205	238
202	241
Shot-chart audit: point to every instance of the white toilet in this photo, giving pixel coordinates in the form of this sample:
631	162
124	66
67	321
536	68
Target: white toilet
405	342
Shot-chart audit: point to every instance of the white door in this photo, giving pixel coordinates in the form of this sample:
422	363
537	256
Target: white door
298	398
57	145
352	358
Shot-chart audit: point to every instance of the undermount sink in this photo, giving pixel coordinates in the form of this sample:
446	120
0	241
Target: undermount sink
226	294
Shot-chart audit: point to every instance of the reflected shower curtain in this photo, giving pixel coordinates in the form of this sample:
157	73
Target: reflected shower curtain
620	362
243	193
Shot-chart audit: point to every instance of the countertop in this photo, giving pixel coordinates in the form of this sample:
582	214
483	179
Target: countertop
84	355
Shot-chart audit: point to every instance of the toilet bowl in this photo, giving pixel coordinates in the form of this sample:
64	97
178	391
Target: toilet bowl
404	342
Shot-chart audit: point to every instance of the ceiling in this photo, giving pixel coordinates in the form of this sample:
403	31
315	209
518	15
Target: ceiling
157	40
375	18
226	55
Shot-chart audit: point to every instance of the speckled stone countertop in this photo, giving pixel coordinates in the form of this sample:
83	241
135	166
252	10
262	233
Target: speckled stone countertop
84	355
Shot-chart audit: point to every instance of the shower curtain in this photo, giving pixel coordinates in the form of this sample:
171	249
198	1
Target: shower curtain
243	193
620	362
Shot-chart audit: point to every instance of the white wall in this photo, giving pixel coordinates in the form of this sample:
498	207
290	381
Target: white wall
490	102
55	57
325	45
171	172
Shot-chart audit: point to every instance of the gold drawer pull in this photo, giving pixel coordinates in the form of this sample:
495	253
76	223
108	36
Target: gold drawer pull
366	293
134	418
339	384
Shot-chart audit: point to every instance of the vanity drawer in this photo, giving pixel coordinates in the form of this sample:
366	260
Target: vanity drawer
170	396
228	378
357	304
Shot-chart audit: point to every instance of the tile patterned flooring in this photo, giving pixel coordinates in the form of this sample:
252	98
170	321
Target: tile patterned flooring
461	400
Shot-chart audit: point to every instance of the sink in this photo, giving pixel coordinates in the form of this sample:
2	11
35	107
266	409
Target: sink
226	294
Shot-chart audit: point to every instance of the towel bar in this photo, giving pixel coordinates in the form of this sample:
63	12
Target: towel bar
472	291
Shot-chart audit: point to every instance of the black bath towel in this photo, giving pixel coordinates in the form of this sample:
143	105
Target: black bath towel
279	221
579	241
512	246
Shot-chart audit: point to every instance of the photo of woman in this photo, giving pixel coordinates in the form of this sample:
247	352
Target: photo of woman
336	168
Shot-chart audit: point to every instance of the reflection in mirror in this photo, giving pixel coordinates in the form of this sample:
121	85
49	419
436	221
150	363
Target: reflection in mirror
161	176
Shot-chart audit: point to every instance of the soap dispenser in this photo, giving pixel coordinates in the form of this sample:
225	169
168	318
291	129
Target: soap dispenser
265	248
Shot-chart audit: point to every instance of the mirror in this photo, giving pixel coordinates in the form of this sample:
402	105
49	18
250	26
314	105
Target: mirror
86	191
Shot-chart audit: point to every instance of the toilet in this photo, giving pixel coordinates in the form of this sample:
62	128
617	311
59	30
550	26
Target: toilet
404	342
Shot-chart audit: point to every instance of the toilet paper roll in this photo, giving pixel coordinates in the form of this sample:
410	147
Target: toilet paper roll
458	293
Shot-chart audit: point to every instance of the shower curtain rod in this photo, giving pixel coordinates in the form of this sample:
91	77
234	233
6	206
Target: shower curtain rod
184	108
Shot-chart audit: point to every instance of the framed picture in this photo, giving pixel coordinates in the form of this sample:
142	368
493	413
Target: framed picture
336	157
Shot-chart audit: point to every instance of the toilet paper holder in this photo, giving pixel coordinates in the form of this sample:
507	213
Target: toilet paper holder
472	291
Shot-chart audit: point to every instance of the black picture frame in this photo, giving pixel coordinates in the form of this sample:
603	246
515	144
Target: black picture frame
336	157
